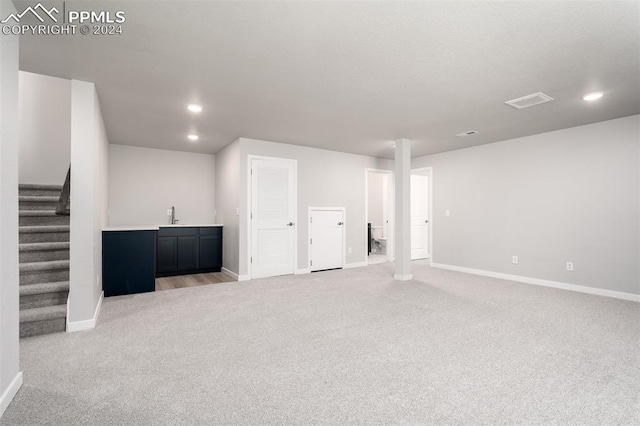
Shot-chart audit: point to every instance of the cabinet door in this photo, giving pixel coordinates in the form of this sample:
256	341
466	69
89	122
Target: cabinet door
167	254
211	252
187	252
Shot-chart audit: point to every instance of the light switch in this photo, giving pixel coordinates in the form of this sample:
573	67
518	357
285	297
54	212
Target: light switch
447	213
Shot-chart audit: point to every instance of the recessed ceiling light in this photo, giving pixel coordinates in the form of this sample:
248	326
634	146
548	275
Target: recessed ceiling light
592	96
194	107
193	137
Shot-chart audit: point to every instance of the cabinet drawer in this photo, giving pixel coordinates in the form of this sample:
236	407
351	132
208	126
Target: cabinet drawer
177	232
217	230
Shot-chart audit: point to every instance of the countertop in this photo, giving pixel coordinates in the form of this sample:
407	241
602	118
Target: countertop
155	228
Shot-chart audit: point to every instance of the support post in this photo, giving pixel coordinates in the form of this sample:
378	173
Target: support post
402	210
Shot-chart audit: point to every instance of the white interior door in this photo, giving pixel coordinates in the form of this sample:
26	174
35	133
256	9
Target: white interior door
326	232
272	217
419	217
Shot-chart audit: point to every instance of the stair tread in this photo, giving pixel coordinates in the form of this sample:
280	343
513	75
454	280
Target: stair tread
44	313
44	246
38	213
44	266
34	229
38	198
42	288
39	186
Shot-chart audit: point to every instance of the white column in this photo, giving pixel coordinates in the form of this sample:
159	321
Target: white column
10	376
403	210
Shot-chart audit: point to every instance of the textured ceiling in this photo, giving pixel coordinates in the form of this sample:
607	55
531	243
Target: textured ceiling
350	76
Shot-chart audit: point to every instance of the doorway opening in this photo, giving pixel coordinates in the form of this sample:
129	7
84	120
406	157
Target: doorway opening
379	215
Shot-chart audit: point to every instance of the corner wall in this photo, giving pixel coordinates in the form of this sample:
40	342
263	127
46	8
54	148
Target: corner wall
10	376
89	159
227	189
566	196
45	128
325	179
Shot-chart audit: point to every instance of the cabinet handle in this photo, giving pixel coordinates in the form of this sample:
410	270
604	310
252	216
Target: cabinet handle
290	224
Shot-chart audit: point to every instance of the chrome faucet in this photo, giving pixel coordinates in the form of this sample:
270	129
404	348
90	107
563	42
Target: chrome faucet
174	219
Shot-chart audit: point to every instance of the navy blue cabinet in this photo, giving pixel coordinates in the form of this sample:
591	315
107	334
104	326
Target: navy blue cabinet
128	262
189	250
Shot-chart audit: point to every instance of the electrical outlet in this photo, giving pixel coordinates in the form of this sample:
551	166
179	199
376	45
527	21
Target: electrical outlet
350	250
570	266
514	260
447	213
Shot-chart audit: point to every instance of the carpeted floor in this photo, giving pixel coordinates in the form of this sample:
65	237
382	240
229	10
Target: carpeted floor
342	347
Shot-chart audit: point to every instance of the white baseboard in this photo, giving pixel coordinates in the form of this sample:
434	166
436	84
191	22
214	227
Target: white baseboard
10	392
402	277
302	271
244	278
86	324
231	274
355	265
540	282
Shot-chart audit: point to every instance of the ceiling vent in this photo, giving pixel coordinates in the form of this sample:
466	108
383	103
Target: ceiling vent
469	133
529	100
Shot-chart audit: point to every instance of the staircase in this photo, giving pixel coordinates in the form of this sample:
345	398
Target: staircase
44	261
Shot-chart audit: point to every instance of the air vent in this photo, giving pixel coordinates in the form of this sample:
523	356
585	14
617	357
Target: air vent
469	133
529	100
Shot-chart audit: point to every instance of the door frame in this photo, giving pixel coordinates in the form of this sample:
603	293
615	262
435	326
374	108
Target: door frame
429	173
390	211
294	162
344	233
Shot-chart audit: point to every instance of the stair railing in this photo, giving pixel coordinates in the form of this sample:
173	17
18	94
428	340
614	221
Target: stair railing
63	202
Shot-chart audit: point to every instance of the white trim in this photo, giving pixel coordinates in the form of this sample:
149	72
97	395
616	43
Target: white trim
231	274
86	324
545	283
356	265
391	192
302	271
406	277
429	171
10	392
250	158
344	233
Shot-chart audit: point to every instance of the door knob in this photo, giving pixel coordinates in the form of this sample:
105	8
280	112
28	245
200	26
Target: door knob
290	224
426	221
339	223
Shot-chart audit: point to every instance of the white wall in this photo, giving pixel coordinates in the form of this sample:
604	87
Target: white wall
10	376
375	198
45	128
227	202
325	179
88	210
569	195
145	182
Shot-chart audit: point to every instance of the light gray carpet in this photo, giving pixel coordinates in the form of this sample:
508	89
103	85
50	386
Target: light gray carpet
342	347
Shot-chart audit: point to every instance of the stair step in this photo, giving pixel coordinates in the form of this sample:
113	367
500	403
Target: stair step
42	288
43	313
44	234
42	217
43	320
44	294
40	229
37	202
64	245
43	266
36	189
